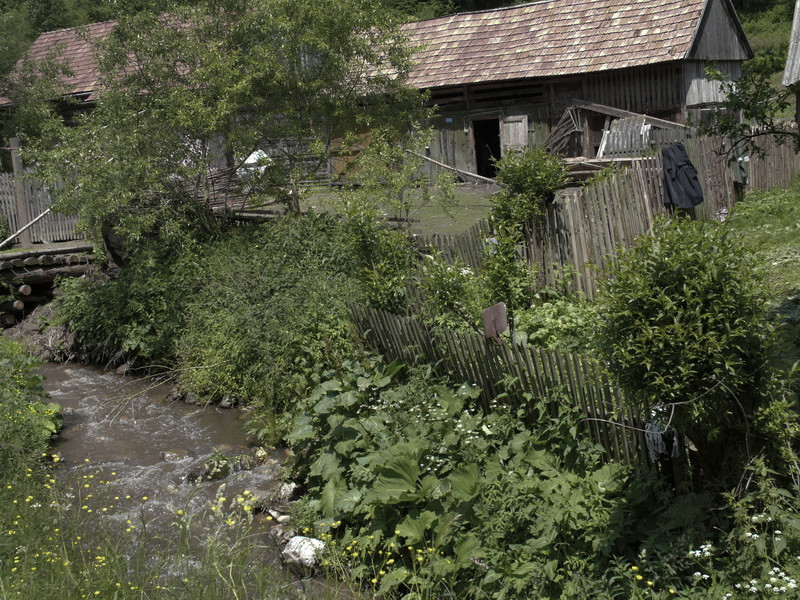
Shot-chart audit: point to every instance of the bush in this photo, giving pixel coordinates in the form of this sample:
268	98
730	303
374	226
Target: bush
270	314
530	178
139	315
683	329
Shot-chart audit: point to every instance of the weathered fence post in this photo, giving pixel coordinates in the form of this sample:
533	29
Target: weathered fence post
23	214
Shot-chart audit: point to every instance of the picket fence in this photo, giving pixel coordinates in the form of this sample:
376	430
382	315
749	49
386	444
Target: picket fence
581	230
514	369
52	228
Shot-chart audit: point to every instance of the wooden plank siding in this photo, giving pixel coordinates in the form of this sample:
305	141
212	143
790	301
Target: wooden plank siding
52	228
654	90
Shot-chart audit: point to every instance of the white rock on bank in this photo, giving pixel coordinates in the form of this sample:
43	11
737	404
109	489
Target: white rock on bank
303	551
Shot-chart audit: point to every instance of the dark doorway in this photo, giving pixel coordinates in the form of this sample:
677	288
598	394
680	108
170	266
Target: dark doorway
487	145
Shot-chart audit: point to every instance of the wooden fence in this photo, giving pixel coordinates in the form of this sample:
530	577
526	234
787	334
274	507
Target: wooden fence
52	228
496	368
582	228
467	248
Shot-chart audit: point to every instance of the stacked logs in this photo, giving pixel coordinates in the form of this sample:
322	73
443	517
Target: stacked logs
30	275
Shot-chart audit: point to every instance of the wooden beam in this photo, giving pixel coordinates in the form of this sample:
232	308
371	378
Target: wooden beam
459	171
618	112
23	215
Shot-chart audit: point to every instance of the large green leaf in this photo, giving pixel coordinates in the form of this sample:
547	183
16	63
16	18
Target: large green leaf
416	525
397	479
464	482
330	496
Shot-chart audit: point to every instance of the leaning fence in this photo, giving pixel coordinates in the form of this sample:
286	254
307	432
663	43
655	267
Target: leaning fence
515	369
581	230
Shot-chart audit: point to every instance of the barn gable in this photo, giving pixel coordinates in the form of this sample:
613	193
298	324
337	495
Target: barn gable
720	35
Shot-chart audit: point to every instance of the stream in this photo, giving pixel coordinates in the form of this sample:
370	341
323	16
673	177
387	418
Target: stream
125	451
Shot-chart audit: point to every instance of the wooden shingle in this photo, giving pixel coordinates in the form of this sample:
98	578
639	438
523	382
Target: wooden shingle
551	38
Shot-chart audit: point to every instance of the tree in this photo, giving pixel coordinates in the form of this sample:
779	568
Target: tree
186	97
754	109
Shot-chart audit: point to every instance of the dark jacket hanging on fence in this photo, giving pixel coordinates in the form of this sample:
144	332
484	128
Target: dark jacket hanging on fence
681	185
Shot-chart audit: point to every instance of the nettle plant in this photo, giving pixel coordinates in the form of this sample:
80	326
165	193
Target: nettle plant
415	489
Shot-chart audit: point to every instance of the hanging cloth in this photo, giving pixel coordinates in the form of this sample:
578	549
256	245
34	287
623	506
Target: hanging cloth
681	184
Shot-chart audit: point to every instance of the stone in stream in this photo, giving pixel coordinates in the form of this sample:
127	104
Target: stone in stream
175	455
289	491
303	551
220	466
227	401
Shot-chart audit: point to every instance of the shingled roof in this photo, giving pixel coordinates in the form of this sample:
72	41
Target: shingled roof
552	37
542	39
75	47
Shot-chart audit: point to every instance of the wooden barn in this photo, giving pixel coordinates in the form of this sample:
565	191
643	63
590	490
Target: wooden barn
504	78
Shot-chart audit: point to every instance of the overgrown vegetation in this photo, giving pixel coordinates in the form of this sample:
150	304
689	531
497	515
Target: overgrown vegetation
685	334
418	489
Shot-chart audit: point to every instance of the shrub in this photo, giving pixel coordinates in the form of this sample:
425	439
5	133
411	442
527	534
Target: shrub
139	315
448	294
270	313
530	178
683	329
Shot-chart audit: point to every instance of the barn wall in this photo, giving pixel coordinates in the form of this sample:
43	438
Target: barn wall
699	89
663	91
452	142
654	90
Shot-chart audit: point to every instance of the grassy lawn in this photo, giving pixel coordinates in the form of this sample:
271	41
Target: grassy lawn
769	225
472	205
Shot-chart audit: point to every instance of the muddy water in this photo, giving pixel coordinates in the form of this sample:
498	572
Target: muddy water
128	449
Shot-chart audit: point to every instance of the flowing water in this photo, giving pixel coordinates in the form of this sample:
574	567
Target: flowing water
125	450
124	431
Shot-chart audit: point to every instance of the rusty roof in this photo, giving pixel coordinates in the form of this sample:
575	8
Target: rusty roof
550	38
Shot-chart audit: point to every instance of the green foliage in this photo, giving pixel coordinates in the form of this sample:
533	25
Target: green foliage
270	314
530	178
448	294
565	323
683	329
754	108
383	183
26	421
417	491
507	276
139	315
216	81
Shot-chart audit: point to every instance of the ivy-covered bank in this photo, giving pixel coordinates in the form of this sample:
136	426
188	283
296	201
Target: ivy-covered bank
420	491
